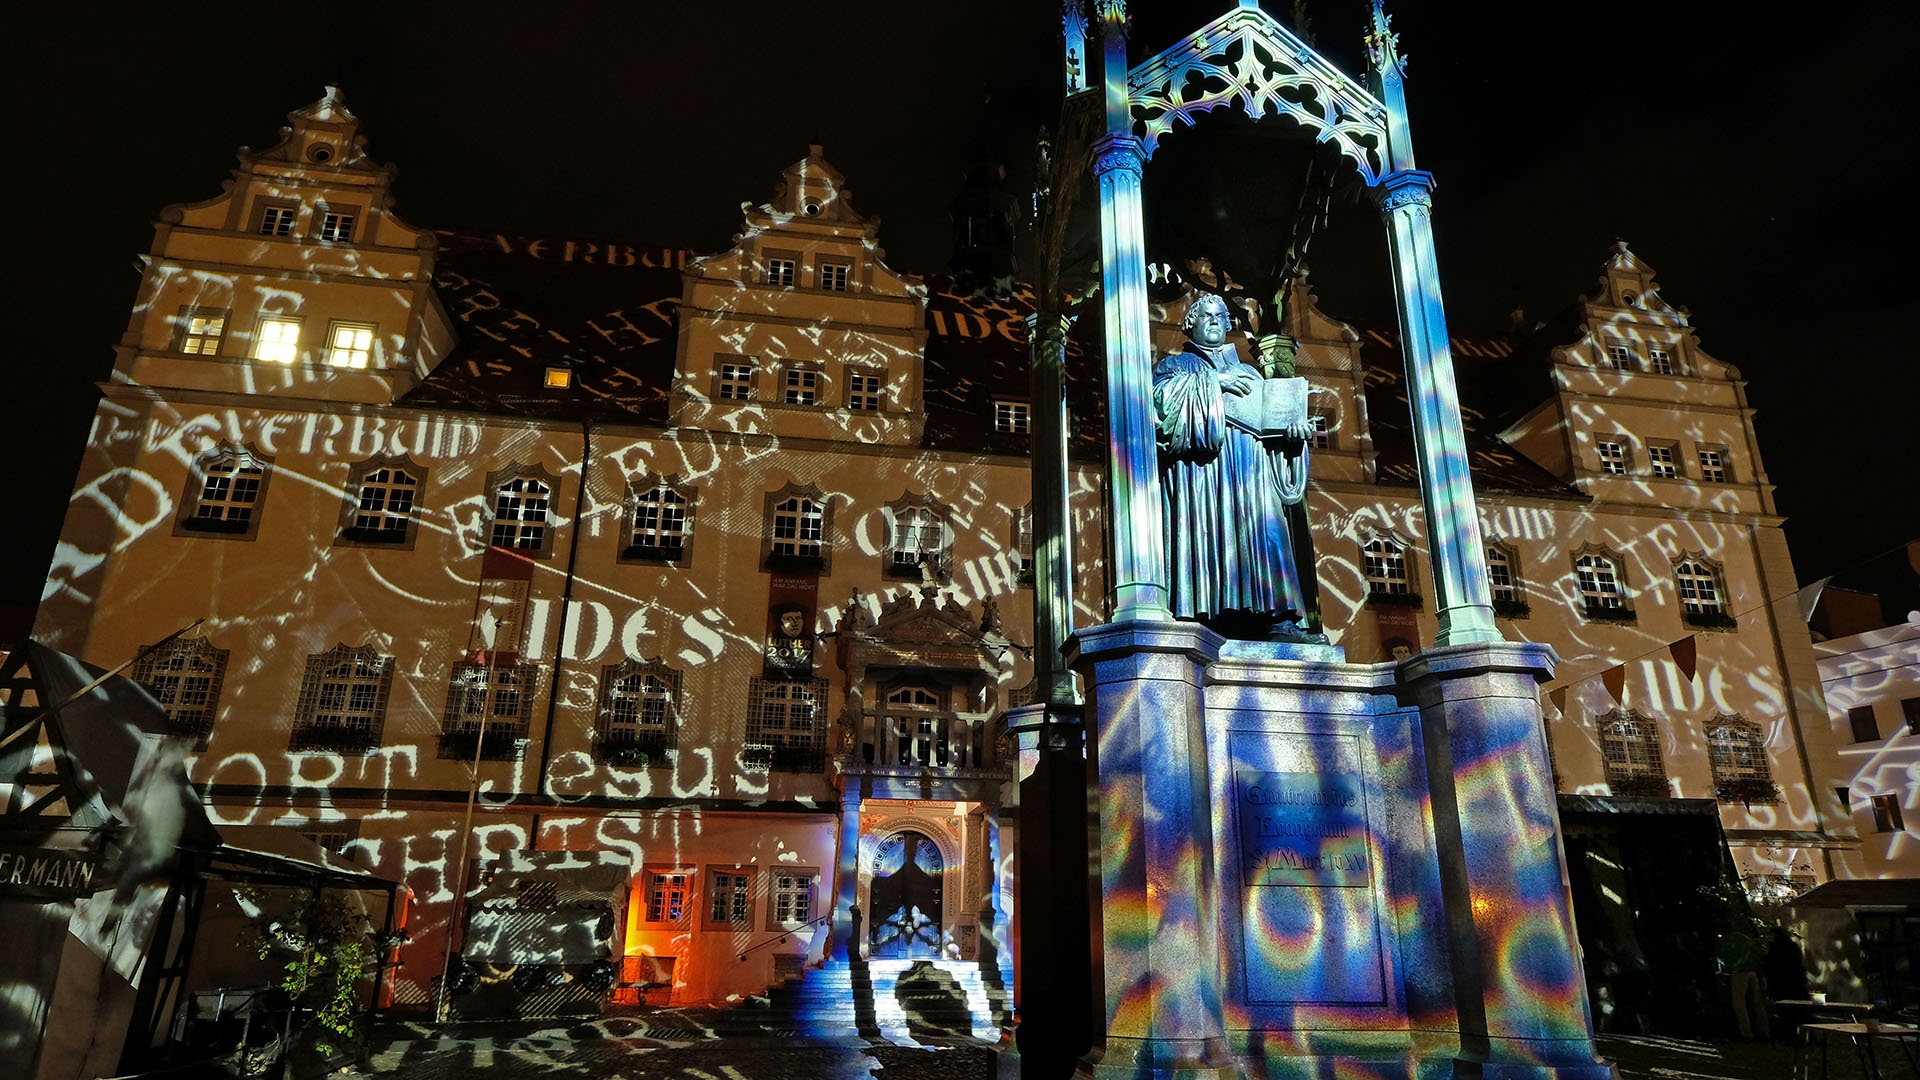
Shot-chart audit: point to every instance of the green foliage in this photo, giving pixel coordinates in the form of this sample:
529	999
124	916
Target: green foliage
328	946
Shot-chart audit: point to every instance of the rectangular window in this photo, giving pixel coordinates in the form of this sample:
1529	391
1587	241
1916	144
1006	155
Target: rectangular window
1886	814
278	340
342	700
201	330
1911	708
792	897
1660	361
780	271
863	392
229	491
490	704
1322	432
1613	457
184	677
802	386
349	344
1699	588
277	220
520	514
1620	358
1386	568
1012	417
736	382
799	525
835	276
1713	465
1865	727
1598	578
667	895
729	897
784	728
1663	459
1500	577
336	226
386	505
659	524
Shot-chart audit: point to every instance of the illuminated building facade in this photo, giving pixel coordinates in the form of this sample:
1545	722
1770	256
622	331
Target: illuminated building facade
720	564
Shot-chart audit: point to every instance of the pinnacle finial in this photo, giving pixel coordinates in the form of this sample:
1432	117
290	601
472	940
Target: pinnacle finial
1383	45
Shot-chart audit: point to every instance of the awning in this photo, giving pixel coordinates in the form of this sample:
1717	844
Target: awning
1870	893
276	855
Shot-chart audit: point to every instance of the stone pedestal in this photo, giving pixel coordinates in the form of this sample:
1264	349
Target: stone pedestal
1156	915
1518	985
1055	989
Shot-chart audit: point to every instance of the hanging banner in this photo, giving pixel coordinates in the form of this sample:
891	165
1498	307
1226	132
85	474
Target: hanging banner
1399	627
792	600
1686	655
499	633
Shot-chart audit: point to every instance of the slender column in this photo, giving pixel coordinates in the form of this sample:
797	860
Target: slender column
847	876
1051	525
1446	486
1138	574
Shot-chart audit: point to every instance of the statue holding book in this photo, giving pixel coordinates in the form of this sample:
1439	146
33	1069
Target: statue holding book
1233	457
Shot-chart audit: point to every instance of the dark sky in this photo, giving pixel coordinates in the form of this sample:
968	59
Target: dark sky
1761	165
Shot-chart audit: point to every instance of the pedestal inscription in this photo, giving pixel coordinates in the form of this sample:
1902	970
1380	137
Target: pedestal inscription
1302	829
1309	904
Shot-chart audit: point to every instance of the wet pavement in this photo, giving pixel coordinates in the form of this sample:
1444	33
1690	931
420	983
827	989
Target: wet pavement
687	1045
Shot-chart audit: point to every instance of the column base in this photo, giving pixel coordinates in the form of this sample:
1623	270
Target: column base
1159	1059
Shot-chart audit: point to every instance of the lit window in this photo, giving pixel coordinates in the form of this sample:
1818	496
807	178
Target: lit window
1661	457
780	272
342	700
729	896
1598	577
798	526
277	220
488	706
918	537
1502	579
803	386
349	344
1713	465
1613	457
1011	417
229	493
1660	361
201	331
863	392
639	702
385	508
1866	728
1620	357
557	377
520	514
1699	588
278	340
1386	565
659	524
1322	437
1886	814
184	676
1630	744
736	382
834	276
792	896
667	894
1737	754
336	227
783	724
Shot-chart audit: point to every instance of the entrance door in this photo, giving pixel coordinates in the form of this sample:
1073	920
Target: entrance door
905	898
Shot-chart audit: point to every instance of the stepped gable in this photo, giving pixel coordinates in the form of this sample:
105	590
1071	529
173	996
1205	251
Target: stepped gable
607	311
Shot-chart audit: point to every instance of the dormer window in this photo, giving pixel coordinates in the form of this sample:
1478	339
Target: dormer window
1620	358
276	219
558	377
278	340
201	330
336	227
1660	362
350	344
781	270
835	276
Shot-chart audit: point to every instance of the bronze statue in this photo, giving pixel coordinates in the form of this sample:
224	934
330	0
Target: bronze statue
1232	458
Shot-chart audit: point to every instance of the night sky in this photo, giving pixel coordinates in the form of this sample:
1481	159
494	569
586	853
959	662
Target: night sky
1761	165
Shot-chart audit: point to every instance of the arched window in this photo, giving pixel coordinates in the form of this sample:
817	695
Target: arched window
917	727
383	496
184	676
918	543
659	526
1630	744
1702	601
1603	594
639	712
1737	752
520	505
798	524
784	729
225	493
488	707
1503	579
343	700
1385	562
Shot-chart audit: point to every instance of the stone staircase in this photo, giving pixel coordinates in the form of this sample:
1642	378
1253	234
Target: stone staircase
929	1002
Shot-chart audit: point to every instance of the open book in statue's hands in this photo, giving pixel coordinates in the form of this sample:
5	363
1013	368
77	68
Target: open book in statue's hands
1277	408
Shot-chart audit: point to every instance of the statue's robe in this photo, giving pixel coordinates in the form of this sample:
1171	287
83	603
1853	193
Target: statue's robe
1228	551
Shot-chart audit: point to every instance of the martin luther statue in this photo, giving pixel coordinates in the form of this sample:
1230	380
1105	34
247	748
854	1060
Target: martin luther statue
1233	456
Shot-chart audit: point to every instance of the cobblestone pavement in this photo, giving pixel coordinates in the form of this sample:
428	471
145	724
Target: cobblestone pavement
678	1047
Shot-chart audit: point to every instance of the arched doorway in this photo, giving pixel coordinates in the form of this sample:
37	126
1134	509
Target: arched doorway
906	897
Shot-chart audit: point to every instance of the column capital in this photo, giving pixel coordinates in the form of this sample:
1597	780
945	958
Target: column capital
1116	153
1408	187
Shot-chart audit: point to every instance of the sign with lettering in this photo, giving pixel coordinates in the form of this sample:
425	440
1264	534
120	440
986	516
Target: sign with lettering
48	874
1303	828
